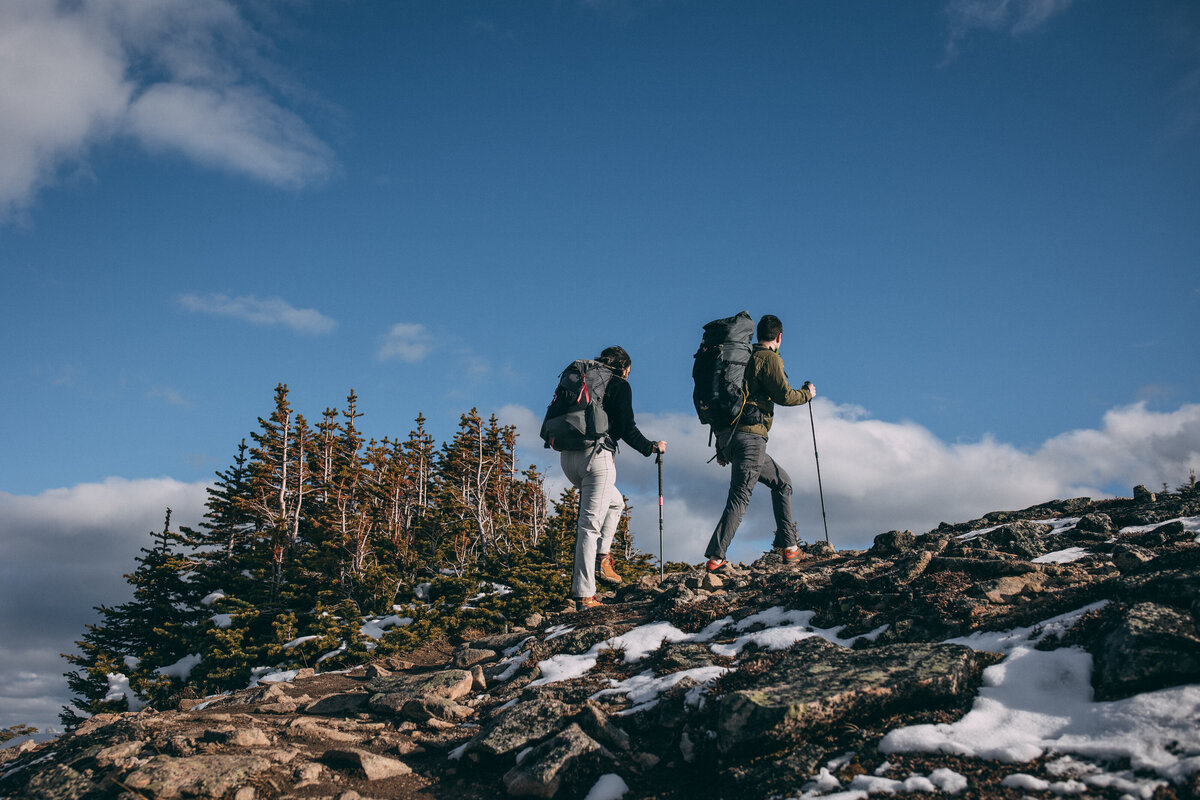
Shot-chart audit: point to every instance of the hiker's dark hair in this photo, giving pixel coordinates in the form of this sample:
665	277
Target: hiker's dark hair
769	327
615	358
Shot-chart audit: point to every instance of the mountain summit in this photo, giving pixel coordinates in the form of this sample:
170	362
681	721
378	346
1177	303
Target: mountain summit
1046	652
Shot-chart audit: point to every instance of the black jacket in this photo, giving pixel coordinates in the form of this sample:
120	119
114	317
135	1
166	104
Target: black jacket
618	404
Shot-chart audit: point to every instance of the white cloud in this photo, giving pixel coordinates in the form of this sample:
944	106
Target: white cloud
63	552
186	76
1015	17
271	311
408	341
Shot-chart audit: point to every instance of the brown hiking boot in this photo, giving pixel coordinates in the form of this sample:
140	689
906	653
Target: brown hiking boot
608	570
582	603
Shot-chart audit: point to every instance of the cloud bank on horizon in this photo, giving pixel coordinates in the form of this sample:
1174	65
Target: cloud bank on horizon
189	77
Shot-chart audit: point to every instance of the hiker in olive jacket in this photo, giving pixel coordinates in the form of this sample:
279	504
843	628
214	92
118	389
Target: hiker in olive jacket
744	447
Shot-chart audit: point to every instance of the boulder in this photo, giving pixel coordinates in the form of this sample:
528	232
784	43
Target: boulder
1009	587
389	694
1129	557
520	726
893	543
203	776
1095	523
365	764
1022	539
1151	647
571	756
818	685
467	657
339	704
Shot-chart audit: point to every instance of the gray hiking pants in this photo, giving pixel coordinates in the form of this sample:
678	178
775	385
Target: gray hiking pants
750	464
593	473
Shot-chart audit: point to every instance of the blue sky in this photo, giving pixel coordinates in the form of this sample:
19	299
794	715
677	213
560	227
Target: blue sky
979	221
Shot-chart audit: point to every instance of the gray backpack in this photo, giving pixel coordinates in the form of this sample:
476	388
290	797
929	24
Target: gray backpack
575	418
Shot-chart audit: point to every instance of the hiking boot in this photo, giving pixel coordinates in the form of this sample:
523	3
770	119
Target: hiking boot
790	554
719	566
608	570
582	603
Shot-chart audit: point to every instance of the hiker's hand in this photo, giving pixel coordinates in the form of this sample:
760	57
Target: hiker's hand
812	390
660	447
722	460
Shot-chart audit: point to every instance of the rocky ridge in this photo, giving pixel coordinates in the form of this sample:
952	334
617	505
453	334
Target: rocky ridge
775	681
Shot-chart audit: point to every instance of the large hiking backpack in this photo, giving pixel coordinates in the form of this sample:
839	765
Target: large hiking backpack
575	418
719	371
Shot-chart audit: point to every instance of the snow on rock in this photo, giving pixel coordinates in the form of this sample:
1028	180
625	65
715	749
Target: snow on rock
608	787
118	688
1062	556
211	598
181	669
1035	702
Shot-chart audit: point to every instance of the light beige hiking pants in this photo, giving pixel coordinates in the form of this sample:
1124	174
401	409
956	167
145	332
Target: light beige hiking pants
600	505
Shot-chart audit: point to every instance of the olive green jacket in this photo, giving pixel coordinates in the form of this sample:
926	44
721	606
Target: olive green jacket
766	385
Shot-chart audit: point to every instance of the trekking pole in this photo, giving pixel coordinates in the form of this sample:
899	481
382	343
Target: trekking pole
817	455
658	459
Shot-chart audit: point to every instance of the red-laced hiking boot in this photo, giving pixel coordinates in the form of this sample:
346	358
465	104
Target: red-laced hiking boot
608	571
582	603
719	566
790	554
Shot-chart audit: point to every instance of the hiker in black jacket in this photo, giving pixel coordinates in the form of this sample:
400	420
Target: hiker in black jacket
593	472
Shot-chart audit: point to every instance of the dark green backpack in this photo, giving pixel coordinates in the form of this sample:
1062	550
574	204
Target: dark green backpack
719	370
575	418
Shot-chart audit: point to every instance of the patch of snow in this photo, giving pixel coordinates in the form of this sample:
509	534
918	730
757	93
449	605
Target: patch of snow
555	631
1062	556
211	598
514	664
1189	524
948	780
1036	702
131	662
118	687
341	648
1005	641
824	782
421	591
875	785
785	627
222	620
375	627
1059	525
1019	780
181	669
300	641
644	689
608	787
636	644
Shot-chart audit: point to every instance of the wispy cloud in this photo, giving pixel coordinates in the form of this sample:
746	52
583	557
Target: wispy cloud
188	76
270	311
406	341
1012	17
170	396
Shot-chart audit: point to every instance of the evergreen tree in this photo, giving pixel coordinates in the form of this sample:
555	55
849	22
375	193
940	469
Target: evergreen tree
143	638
